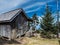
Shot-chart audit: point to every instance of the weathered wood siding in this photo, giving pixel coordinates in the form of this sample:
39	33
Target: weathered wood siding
22	26
17	27
5	30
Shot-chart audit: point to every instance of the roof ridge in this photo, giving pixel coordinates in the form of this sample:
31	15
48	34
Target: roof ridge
11	10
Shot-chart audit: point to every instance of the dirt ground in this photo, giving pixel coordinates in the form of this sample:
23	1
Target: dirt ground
30	41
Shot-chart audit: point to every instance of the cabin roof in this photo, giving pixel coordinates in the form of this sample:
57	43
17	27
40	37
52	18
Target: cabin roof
9	16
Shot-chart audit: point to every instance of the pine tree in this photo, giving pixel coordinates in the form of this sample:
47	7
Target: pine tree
47	22
35	21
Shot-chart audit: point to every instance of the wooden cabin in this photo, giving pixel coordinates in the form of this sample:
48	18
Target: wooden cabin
13	23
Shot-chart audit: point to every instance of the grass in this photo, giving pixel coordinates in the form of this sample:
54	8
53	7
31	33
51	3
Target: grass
36	41
40	41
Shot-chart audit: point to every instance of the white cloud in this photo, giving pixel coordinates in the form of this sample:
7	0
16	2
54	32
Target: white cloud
9	4
40	18
55	16
32	10
6	5
35	4
38	3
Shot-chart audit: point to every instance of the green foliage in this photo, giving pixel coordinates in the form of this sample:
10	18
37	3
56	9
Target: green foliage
37	31
35	18
55	31
29	24
35	21
47	23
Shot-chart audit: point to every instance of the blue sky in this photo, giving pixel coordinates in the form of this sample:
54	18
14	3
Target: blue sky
30	6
